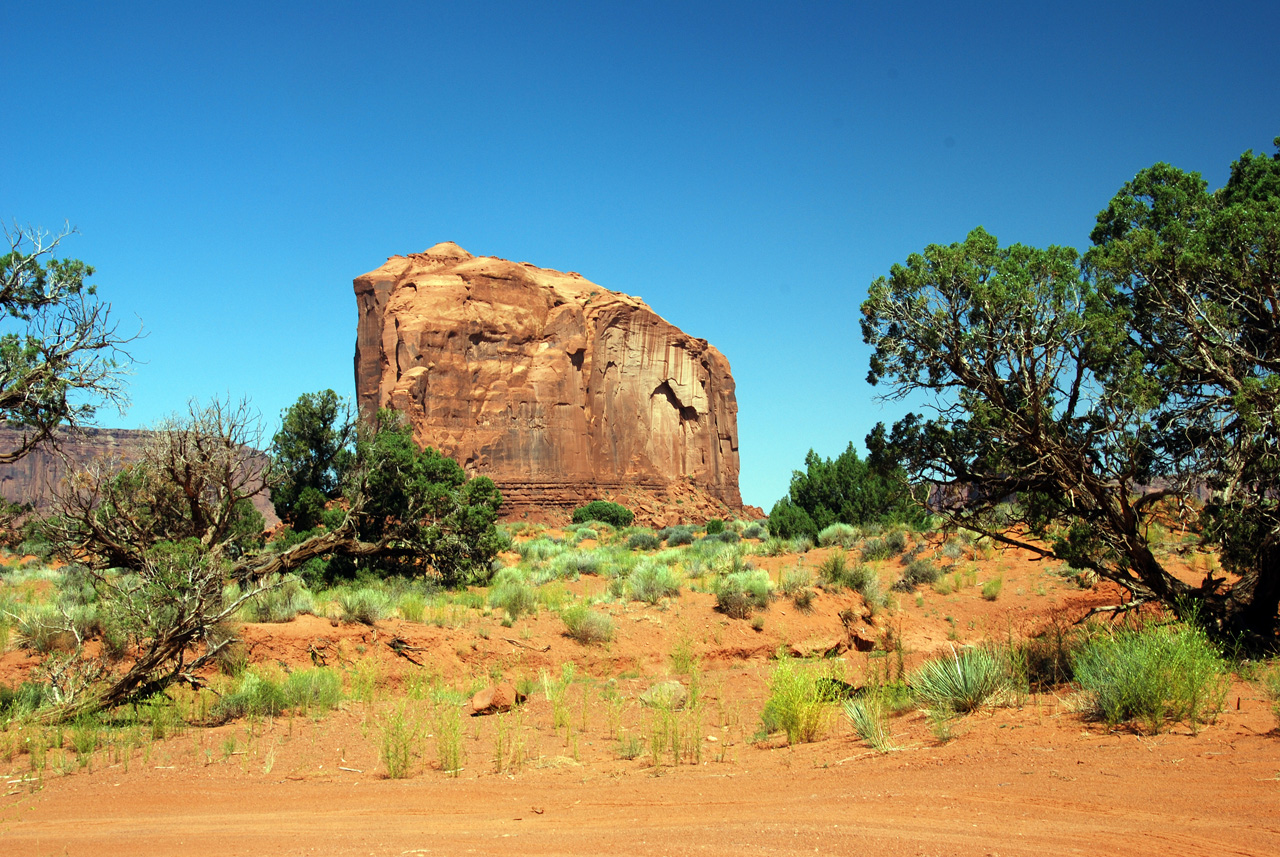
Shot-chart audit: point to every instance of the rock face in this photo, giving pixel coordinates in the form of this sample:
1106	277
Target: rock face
558	389
34	478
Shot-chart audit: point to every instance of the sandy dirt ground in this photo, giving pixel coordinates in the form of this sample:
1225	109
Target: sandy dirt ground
1032	777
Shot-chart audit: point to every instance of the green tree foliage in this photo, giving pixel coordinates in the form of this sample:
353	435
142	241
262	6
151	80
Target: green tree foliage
602	510
847	490
61	354
420	505
1077	385
309	456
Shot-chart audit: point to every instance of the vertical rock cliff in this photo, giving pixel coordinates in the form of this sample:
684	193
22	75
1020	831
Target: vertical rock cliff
558	389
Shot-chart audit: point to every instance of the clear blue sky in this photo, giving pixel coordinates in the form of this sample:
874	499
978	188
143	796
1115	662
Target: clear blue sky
747	168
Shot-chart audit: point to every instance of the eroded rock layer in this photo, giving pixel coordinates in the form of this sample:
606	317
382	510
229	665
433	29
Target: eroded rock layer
558	389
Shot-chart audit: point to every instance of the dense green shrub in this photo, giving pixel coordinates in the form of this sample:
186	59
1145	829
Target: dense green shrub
603	510
714	526
895	541
789	521
677	536
919	571
875	549
644	541
1152	674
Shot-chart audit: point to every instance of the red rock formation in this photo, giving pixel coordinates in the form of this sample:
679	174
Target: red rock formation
558	389
34	478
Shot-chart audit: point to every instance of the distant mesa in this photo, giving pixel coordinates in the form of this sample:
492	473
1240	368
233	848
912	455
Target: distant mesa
37	476
559	389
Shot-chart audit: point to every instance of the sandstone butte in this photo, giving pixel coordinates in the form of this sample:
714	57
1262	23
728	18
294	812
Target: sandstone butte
558	389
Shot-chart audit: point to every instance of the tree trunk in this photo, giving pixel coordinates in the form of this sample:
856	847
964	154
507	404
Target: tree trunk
1251	609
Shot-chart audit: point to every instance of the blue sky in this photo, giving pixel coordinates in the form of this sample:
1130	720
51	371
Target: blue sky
747	168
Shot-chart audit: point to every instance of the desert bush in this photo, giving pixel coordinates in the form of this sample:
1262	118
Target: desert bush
795	579
585	625
1152	674
583	533
789	521
961	683
833	569
573	563
896	541
512	593
365	606
754	531
741	593
837	534
652	582
602	510
952	549
919	571
677	536
280	604
643	541
714	527
797	703
874	550
801	544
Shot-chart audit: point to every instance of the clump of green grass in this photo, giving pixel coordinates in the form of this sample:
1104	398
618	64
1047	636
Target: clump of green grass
651	582
318	689
741	593
280	604
1152	675
991	589
963	682
365	605
413	606
512	593
255	695
833	569
841	535
450	752
585	625
797	703
869	717
400	730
